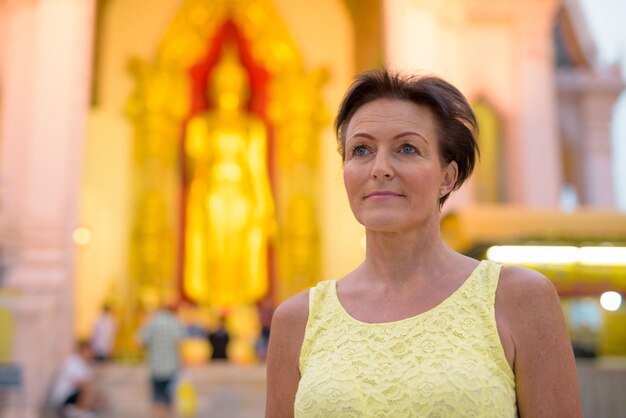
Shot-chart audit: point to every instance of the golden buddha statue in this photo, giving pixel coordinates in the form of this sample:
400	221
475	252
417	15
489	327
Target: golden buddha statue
229	207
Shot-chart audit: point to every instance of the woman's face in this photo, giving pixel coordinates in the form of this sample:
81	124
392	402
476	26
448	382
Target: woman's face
392	170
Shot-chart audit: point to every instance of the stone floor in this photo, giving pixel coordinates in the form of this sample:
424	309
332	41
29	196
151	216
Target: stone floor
228	391
224	391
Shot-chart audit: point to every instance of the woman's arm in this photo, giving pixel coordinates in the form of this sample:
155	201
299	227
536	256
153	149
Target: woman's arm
283	373
544	365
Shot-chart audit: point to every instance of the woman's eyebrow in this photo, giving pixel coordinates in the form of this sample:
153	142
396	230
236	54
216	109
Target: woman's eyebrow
412	133
363	134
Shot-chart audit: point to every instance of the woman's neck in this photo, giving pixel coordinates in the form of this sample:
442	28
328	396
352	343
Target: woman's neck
398	258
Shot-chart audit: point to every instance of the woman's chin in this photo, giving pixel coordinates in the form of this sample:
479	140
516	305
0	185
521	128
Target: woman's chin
384	224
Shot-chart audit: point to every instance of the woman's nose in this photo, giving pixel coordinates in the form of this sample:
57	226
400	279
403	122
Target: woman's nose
382	168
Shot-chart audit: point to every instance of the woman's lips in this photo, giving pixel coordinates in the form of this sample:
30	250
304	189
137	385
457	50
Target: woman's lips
382	195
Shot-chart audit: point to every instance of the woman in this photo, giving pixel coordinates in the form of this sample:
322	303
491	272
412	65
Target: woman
417	329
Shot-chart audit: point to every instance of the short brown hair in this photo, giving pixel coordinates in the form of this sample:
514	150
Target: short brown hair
457	128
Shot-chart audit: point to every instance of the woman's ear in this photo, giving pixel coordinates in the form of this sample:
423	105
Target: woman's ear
450	174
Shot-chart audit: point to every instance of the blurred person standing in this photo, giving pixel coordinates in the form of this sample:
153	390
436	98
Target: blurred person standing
162	336
103	335
265	317
219	339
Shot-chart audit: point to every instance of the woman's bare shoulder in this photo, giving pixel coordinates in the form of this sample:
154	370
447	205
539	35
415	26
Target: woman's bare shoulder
517	284
528	300
295	308
287	331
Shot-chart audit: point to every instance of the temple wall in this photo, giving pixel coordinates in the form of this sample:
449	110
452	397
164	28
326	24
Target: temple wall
105	198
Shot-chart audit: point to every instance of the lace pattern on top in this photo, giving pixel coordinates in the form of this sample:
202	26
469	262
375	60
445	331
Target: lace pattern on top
445	362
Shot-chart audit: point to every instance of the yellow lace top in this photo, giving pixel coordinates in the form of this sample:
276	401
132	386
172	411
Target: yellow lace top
446	362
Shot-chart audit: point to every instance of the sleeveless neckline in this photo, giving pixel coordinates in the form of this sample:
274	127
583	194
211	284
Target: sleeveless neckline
446	361
416	317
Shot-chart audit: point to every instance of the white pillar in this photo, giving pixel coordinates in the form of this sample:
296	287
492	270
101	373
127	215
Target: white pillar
45	84
535	150
597	148
588	100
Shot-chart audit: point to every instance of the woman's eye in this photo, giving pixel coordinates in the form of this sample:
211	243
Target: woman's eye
359	150
407	149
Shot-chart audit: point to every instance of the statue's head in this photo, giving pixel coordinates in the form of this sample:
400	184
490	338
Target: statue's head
228	87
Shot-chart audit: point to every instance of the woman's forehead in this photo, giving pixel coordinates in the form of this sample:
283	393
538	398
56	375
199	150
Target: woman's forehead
390	113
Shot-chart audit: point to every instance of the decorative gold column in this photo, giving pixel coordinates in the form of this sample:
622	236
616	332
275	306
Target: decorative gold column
299	118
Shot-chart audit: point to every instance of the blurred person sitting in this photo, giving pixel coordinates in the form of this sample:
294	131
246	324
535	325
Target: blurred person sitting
74	391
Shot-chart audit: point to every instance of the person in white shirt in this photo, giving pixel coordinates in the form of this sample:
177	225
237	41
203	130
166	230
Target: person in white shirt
73	391
103	336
